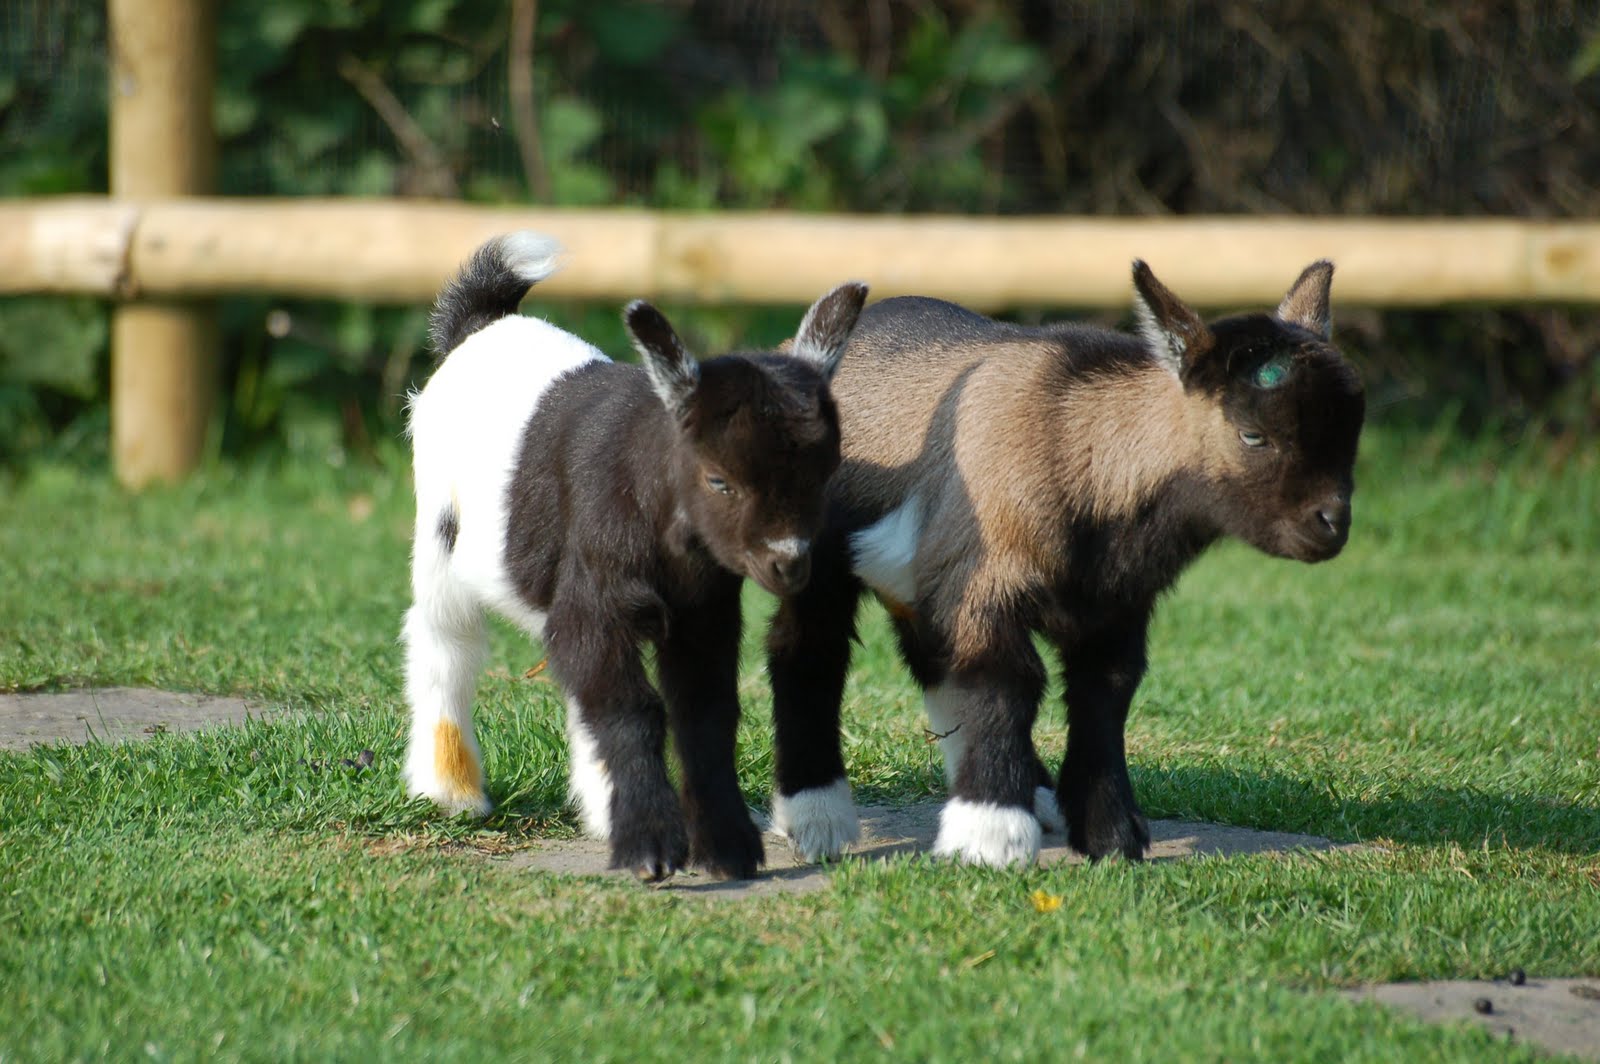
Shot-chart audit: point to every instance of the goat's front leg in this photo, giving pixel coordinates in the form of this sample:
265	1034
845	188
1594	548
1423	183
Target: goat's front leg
808	654
991	700
616	727
942	703
698	666
1103	669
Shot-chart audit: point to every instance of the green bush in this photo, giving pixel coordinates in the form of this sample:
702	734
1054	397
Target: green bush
1065	107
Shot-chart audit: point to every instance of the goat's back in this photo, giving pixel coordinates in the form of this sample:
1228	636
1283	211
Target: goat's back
926	383
467	426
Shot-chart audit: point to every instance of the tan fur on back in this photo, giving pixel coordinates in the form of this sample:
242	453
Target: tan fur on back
1033	449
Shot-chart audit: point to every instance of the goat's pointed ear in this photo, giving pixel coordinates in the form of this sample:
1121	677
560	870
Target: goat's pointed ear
673	371
1172	330
1306	304
825	330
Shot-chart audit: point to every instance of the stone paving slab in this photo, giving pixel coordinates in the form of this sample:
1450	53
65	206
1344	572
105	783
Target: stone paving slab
113	715
886	832
1557	1015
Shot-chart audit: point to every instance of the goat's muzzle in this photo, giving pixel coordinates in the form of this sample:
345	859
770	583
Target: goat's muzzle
1324	528
783	572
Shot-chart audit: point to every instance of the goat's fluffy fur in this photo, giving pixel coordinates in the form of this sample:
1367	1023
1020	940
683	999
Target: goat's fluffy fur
603	507
1053	481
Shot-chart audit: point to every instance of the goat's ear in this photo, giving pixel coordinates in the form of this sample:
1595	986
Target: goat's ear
1173	331
673	371
825	330
1307	302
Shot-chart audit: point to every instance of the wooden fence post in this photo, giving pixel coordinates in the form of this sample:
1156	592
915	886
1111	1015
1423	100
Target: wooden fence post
163	352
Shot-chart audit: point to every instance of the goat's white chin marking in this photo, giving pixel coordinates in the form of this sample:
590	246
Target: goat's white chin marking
1047	810
819	822
987	834
589	780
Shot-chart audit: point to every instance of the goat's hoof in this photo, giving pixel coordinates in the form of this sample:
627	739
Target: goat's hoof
984	833
457	803
1126	835
818	822
729	847
652	854
653	873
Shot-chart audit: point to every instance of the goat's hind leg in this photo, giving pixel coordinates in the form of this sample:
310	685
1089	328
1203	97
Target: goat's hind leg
616	724
445	648
992	696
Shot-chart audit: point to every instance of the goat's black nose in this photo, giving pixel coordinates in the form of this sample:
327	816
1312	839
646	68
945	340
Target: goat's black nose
1333	518
792	571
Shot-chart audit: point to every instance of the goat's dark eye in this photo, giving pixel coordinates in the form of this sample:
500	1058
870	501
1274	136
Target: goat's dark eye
718	485
1252	439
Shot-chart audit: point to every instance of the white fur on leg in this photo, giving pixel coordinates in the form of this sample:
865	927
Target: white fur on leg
819	822
942	703
444	744
444	648
987	834
589	781
1047	810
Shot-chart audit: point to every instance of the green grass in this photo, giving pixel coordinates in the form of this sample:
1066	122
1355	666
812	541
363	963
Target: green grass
1434	692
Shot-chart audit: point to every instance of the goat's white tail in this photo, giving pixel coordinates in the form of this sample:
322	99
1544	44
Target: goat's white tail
490	285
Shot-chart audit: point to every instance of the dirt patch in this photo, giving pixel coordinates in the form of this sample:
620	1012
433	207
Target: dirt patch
113	715
1558	1015
886	832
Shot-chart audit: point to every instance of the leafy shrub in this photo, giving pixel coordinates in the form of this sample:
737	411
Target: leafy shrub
1051	106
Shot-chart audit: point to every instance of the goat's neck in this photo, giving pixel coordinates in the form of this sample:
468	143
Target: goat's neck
1124	440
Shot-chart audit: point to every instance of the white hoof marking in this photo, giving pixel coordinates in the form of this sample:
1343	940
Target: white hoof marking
987	834
819	822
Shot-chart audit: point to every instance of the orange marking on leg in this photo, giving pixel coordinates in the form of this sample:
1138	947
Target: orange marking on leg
456	767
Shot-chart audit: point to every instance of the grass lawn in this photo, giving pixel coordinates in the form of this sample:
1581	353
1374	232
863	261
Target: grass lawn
1434	692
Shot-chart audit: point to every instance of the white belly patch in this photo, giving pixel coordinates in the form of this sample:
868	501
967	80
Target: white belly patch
884	554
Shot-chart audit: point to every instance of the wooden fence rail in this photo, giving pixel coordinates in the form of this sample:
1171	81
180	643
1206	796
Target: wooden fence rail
162	251
163	259
393	251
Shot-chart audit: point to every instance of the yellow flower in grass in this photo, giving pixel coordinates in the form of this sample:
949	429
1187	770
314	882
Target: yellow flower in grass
1044	901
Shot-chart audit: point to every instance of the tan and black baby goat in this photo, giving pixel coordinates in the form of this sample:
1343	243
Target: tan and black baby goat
604	507
1052	480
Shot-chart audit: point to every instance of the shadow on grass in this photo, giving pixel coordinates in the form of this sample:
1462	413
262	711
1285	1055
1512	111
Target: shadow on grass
1264	800
1417	813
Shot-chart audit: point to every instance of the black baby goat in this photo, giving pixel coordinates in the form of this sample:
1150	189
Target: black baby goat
603	507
